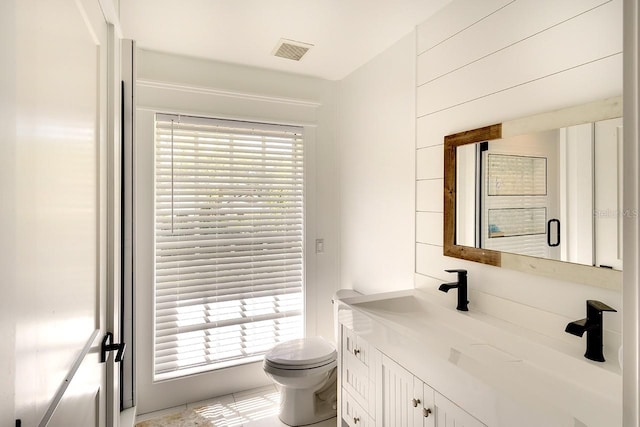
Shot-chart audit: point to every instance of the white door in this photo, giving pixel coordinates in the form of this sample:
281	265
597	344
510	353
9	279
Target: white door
53	223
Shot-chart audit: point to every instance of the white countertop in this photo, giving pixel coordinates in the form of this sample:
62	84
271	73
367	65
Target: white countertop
503	374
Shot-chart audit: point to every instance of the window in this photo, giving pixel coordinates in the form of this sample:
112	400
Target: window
228	241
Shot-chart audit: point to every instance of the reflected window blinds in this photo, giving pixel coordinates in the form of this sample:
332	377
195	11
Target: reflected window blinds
228	241
516	204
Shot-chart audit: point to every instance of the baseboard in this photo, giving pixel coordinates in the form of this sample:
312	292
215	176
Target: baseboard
128	417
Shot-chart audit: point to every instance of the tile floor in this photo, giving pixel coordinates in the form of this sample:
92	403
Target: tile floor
251	408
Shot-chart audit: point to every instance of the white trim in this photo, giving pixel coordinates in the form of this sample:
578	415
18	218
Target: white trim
216	259
127	146
631	274
113	220
204	369
220	92
310	265
594	111
154	395
128	417
258	119
209	121
111	15
165	97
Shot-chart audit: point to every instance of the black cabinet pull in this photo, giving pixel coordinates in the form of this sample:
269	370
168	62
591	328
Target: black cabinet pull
557	243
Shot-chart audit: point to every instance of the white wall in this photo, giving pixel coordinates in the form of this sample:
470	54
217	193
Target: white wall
481	63
376	137
178	84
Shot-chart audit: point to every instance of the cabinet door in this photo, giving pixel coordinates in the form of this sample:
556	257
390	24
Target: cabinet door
448	414
396	388
424	404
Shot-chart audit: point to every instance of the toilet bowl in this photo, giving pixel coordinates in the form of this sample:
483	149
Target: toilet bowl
304	371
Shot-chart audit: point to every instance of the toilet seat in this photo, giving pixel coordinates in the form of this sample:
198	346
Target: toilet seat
300	367
287	372
299	354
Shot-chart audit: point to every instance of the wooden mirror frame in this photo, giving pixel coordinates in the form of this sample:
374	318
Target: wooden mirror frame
586	113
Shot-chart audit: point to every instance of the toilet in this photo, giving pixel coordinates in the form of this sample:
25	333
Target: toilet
305	372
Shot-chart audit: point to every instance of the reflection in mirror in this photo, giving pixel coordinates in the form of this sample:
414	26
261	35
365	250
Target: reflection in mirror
540	194
553	194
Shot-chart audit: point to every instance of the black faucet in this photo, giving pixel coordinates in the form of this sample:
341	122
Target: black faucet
592	325
461	285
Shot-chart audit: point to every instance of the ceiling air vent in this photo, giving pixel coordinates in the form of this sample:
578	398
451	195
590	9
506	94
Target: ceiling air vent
291	49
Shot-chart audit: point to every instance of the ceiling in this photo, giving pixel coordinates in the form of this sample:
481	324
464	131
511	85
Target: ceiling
345	33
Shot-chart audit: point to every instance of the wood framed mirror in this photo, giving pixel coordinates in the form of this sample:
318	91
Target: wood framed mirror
541	194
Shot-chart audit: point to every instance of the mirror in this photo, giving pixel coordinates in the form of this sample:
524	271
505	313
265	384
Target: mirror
542	194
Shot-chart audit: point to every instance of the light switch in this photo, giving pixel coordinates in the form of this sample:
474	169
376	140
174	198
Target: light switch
319	246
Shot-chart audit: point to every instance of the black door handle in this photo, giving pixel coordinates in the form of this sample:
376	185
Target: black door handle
108	345
557	243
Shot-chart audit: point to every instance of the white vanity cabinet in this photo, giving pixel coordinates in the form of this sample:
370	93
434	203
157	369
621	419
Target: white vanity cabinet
407	401
378	392
407	354
402	397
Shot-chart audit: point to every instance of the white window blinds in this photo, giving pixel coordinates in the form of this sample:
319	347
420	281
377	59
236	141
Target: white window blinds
228	241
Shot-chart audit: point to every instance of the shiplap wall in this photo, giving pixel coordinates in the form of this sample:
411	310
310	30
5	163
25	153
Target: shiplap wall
480	63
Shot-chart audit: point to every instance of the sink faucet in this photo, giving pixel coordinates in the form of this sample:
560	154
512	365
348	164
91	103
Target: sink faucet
592	325
461	285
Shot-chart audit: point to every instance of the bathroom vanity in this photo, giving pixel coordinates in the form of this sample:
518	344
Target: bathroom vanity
408	358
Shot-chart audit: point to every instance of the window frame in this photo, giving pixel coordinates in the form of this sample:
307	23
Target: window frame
165	393
186	124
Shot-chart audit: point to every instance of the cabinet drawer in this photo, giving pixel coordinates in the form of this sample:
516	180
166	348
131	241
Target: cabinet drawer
355	379
352	412
356	346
